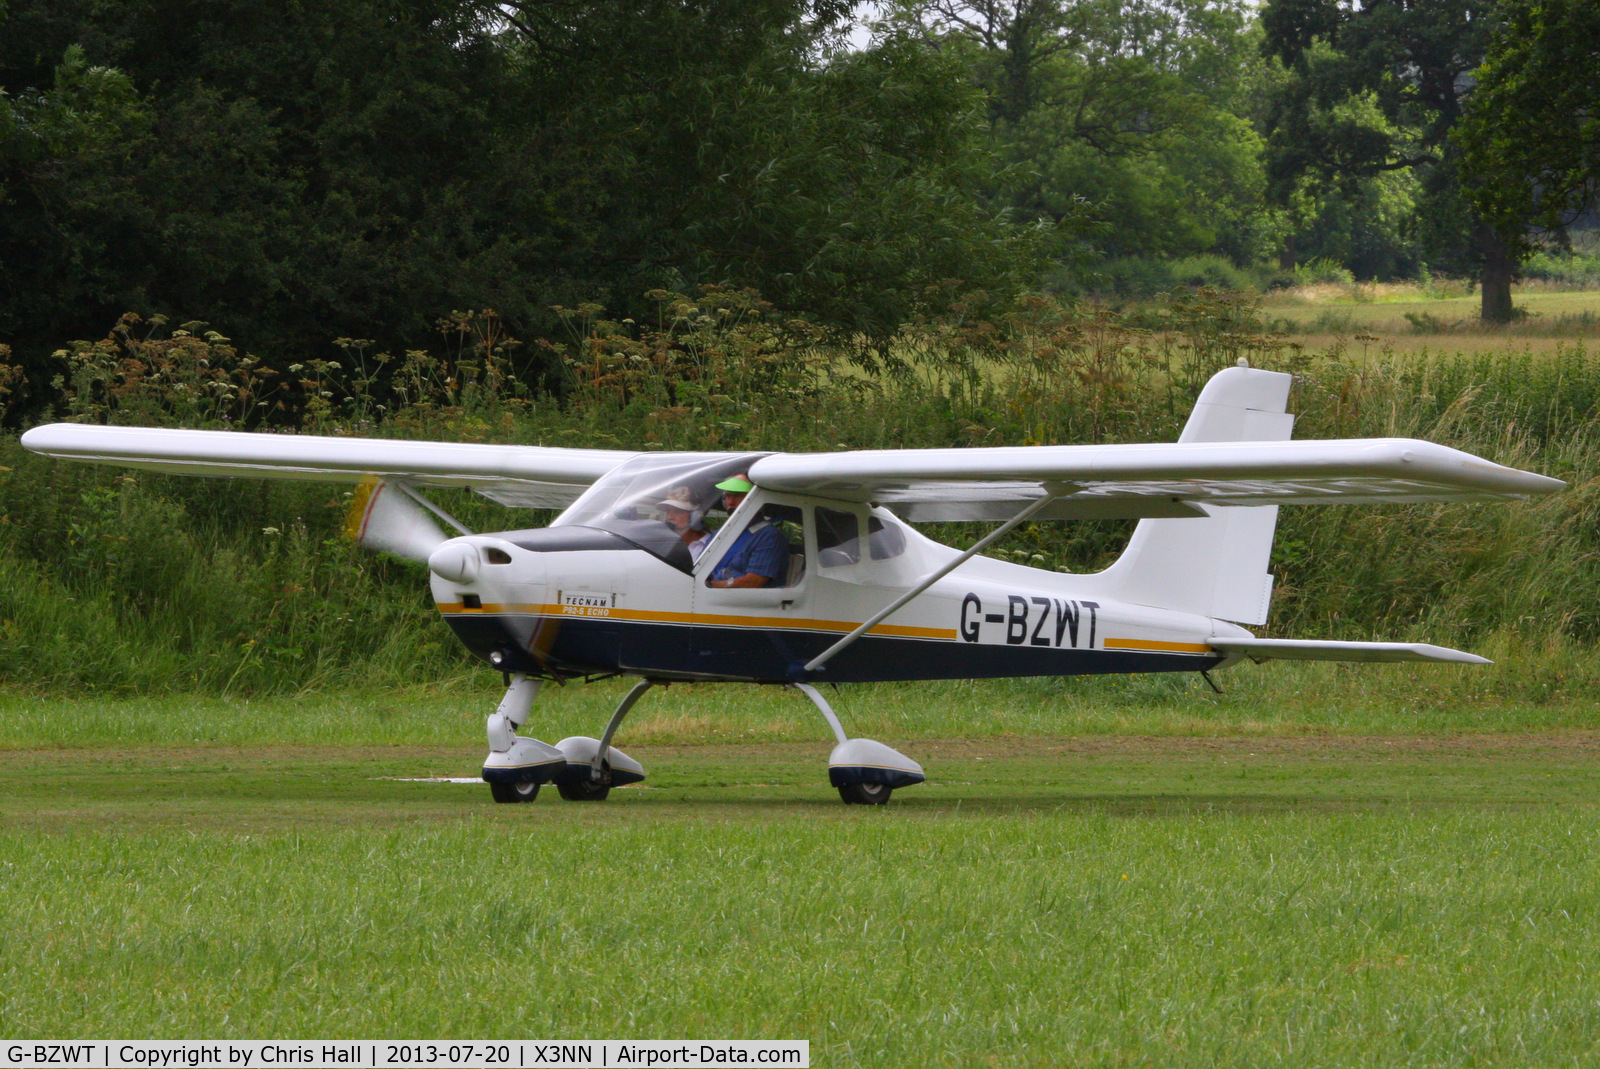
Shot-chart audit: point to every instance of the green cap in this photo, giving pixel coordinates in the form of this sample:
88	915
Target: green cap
737	484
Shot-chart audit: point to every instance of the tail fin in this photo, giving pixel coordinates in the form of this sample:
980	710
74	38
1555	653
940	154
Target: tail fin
1216	566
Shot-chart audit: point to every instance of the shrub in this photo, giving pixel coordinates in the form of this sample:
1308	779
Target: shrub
1128	276
1576	269
1323	271
1215	272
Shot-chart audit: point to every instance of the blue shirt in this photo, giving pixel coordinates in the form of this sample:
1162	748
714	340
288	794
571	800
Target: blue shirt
761	550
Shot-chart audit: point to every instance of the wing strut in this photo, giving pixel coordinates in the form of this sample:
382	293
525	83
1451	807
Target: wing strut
1052	492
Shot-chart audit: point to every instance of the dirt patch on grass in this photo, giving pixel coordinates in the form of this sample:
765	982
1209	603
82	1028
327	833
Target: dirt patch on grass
466	760
1542	744
230	756
248	789
1537	744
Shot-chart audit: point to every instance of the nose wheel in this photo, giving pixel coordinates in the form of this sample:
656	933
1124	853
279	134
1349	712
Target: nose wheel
583	769
513	792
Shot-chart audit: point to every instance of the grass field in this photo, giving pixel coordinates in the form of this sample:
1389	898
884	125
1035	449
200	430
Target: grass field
1323	315
1288	888
1324	865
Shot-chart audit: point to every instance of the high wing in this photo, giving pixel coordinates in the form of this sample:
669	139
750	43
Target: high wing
1132	481
519	475
1105	481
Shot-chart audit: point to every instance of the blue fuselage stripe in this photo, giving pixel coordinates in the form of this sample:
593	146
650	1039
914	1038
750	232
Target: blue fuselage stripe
775	655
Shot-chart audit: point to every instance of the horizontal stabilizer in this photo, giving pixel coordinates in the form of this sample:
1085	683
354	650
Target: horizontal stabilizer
1294	649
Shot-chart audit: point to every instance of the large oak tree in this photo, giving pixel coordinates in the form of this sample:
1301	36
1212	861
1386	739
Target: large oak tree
1376	86
1532	138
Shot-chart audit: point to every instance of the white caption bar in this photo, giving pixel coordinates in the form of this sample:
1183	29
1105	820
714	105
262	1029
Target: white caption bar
385	1053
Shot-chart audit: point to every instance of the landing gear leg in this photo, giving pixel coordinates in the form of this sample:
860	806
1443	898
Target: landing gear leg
512	712
825	709
865	772
614	723
516	766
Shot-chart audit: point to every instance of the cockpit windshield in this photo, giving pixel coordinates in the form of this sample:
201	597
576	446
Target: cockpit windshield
654	500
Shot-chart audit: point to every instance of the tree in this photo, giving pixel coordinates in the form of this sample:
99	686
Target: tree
67	196
364	167
1117	116
1378	86
841	185
853	190
1531	140
302	174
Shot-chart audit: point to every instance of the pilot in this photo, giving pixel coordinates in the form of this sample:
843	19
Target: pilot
678	510
760	555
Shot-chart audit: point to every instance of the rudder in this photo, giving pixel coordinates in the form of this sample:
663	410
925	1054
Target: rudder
1217	566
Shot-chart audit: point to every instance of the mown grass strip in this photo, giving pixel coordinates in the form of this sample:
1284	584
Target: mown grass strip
1272	699
1042	902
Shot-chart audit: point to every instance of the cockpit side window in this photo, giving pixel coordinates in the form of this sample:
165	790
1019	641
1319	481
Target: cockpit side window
838	538
772	546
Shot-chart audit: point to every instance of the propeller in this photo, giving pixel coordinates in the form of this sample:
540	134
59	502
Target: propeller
383	516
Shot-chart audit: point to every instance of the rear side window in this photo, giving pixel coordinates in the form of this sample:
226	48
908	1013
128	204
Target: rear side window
884	539
838	538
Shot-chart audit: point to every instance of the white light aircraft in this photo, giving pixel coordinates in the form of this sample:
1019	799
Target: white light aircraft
850	593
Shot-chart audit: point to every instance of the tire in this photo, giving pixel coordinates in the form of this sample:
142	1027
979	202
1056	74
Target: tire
584	790
865	794
513	792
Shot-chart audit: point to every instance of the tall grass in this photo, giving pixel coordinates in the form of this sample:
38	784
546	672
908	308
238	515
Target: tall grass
135	582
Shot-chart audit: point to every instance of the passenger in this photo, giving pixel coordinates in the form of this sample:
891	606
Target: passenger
760	555
678	510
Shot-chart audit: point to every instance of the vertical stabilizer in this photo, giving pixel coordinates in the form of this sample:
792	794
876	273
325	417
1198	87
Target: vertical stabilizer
1216	566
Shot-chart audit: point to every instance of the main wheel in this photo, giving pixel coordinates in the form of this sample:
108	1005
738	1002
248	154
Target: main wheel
584	790
514	792
865	794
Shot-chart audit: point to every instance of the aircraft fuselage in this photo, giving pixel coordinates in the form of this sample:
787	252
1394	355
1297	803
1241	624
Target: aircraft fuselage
563	606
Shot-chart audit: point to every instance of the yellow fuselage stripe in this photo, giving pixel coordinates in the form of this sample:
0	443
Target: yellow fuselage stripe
579	612
1149	644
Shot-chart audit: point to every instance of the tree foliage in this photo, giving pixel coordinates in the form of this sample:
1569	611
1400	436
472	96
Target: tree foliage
1532	138
300	172
1118	117
66	195
1377	86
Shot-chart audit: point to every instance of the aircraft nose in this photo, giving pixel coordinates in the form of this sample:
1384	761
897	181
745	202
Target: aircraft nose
456	560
